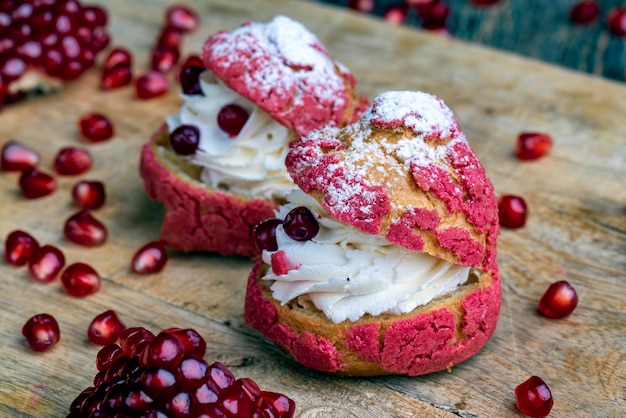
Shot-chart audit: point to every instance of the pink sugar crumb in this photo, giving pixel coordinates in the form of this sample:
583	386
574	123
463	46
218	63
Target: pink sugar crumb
309	167
259	313
469	252
364	340
317	353
279	263
480	308
435	179
401	232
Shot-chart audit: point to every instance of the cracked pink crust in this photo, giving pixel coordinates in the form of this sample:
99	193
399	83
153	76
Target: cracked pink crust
198	218
284	69
414	345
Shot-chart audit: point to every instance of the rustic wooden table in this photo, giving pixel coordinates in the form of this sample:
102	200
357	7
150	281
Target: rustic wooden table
576	229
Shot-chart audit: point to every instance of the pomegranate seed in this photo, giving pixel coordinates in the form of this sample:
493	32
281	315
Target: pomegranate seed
169	38
190	79
12	69
264	234
133	340
72	161
512	211
584	12
193	61
41	332
365	6
559	301
193	342
83	229
35	184
434	15
164	59
285	406
484	3
616	21
89	194
185	139
165	350
397	14
300	224
231	119
117	56
150	258
95	127
150	85
182	18
107	355
117	76
17	157
191	372
18	247
532	145
45	263
105	328
533	397
80	279
94	16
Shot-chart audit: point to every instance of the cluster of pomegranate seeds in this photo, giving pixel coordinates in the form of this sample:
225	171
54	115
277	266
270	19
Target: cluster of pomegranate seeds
45	263
105	328
80	280
616	21
60	39
116	69
559	300
532	145
35	183
300	224
166	375
89	194
17	157
584	12
264	234
95	127
41	332
231	119
18	248
533	397
185	139
71	161
512	211
84	229
150	258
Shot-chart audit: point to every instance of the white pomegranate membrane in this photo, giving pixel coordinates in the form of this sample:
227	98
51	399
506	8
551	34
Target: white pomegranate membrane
251	164
348	273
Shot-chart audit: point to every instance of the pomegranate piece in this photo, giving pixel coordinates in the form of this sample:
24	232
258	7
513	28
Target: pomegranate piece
17	157
164	59
231	119
193	61
169	37
512	211
365	6
533	397
584	12
182	18
616	21
72	161
84	229
117	76
150	85
434	15
80	280
118	56
45	263
190	79
89	194
133	340
192	342
264	234
18	248
165	351
397	14
107	355
185	139
300	224
95	127
35	183
105	329
41	332
559	301
532	145
151	258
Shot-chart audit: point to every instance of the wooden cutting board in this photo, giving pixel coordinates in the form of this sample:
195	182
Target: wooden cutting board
576	229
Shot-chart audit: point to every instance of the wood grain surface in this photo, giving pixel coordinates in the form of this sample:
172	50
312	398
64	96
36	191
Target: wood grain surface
576	229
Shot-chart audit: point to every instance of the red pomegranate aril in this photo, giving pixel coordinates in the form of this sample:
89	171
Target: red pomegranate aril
35	183
17	157
182	18
117	76
190	79
107	355
164	350
512	211
30	51
151	258
45	263
533	397
94	16
95	127
84	229
169	38
164	59
264	234
532	145
150	85
12	69
72	161
285	406
41	332
117	56
191	372
559	300
365	6
616	21
89	194
221	376
434	15
185	139
132	338
397	14
158	382
193	61
300	224
584	12
80	280
231	119
18	248
105	328
192	342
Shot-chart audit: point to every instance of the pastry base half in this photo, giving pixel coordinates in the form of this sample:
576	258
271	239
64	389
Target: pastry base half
433	337
198	218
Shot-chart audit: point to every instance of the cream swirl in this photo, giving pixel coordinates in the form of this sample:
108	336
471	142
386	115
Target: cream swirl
252	164
348	273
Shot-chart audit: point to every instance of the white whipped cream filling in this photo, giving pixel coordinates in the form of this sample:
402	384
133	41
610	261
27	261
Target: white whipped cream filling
348	273
251	164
